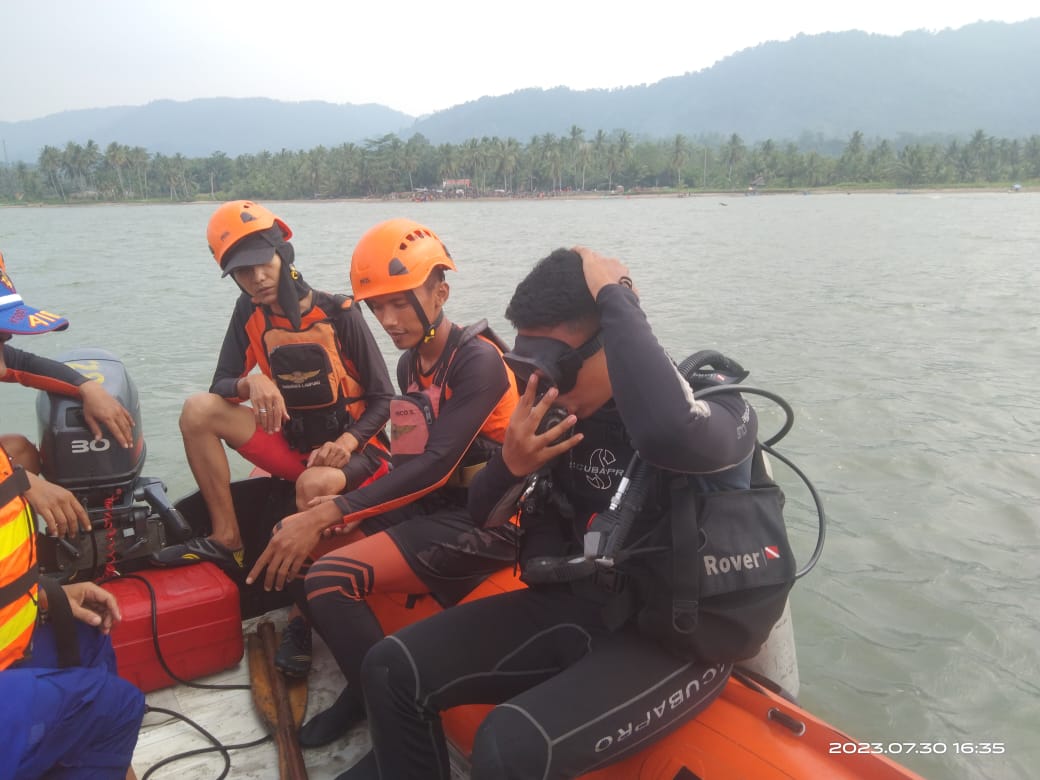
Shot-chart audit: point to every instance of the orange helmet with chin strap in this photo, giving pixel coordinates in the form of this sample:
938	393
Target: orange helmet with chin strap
396	256
235	220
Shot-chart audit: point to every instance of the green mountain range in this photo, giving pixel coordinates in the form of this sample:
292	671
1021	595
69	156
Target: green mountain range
813	89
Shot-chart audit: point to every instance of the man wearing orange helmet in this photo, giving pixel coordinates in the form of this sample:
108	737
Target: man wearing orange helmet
318	404
409	532
593	660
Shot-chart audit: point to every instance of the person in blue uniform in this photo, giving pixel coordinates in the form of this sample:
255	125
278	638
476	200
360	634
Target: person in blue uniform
56	506
66	715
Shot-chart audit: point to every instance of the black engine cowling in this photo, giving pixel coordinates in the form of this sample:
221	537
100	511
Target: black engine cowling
130	514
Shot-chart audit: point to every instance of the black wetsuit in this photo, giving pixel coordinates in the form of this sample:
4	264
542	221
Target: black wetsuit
574	690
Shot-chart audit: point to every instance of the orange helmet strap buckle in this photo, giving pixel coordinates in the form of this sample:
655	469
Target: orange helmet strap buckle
429	328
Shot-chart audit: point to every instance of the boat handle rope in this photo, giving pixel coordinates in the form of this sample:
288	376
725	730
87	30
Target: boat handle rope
794	725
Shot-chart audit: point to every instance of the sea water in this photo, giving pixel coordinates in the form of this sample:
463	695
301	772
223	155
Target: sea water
902	329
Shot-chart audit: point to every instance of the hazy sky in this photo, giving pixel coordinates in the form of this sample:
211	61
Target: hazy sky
416	57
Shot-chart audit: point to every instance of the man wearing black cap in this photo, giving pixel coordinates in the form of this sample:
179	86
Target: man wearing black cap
317	405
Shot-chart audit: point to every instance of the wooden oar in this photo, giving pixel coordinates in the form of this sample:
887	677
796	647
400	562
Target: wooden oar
281	701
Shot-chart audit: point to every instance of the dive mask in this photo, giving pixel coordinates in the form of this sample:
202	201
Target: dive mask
553	362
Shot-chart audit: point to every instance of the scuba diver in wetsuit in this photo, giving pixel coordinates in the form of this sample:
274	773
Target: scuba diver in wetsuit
578	682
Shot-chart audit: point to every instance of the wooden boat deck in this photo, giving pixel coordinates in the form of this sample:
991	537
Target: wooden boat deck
231	717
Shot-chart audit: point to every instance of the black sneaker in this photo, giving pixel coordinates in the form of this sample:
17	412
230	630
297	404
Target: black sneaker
293	658
198	549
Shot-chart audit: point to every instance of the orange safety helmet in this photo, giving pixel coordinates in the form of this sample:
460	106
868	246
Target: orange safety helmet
235	220
396	256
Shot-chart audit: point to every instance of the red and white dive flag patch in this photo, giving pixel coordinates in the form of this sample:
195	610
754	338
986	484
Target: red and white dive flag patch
772	553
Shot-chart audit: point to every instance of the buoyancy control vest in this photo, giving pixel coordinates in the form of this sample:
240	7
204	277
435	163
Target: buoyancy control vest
703	568
719	565
718	578
19	575
413	412
323	392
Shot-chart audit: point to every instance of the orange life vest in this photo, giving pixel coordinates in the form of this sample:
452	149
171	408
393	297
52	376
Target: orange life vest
412	413
494	428
19	575
306	364
320	385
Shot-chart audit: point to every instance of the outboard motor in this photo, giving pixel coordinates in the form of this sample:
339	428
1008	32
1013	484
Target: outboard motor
131	515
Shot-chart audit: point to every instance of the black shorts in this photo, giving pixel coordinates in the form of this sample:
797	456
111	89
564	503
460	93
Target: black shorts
363	465
442	546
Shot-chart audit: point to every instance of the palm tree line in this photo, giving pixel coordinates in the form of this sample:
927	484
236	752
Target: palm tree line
546	164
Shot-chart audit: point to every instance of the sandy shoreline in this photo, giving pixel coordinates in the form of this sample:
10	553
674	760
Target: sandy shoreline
566	196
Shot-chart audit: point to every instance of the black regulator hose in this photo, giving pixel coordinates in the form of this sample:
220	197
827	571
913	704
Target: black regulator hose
609	530
767	446
605	536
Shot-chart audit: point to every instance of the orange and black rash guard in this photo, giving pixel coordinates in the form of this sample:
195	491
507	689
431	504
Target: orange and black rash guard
41	373
479	397
243	349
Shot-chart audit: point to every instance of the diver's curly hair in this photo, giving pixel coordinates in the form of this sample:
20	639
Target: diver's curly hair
553	293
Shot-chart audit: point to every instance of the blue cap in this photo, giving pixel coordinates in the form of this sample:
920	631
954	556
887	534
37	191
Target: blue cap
18	317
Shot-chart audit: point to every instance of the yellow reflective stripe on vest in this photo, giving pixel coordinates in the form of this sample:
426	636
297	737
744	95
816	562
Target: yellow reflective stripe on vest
13	533
16	629
18	618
